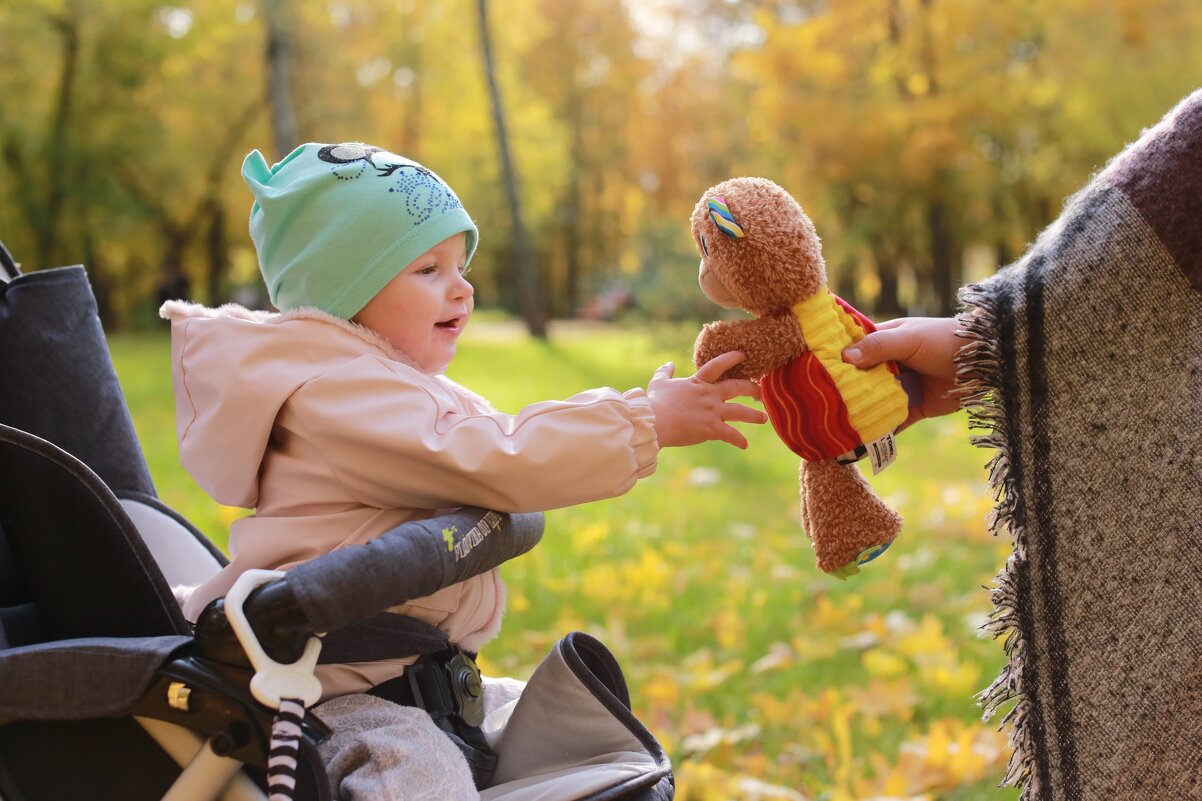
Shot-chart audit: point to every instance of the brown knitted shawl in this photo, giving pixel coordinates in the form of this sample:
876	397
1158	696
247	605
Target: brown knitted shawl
1085	370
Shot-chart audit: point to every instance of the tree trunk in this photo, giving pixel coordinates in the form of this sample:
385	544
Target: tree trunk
217	248
845	283
179	231
47	245
572	212
173	281
279	89
42	214
944	277
888	305
529	285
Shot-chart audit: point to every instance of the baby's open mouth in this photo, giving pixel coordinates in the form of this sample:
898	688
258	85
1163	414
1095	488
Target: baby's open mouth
451	323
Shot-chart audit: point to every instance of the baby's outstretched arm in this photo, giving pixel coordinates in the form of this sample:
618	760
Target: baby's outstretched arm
696	409
928	347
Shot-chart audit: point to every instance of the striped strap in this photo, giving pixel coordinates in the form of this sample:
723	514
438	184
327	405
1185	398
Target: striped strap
285	749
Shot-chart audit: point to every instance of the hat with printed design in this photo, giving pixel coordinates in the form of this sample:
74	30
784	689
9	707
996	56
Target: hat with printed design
333	224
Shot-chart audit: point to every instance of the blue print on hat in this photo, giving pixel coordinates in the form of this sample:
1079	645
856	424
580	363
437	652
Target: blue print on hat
424	193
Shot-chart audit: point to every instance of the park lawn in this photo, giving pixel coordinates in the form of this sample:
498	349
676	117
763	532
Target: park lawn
764	678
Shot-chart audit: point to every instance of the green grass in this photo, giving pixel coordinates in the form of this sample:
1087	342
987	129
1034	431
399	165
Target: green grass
741	656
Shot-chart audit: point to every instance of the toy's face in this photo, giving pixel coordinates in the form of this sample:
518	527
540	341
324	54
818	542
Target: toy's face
712	286
715	253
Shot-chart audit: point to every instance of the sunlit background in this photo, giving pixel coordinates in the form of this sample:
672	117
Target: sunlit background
930	140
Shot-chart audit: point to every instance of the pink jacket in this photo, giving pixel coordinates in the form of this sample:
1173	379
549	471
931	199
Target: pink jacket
334	437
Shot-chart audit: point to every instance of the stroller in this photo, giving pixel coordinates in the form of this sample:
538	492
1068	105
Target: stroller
106	691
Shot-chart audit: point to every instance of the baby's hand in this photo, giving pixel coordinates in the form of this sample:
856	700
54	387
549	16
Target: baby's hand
695	409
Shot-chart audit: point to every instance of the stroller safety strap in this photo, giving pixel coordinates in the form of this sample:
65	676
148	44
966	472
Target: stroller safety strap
448	687
444	684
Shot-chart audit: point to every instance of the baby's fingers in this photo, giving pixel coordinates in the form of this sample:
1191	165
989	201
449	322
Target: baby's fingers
663	373
739	413
712	370
733	436
738	388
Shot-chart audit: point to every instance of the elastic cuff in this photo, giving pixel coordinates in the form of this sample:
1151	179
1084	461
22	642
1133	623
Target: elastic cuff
643	441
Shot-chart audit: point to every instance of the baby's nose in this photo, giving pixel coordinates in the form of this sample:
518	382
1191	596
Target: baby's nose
463	288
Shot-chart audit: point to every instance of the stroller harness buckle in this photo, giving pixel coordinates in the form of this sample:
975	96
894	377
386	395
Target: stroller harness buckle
467	687
445	684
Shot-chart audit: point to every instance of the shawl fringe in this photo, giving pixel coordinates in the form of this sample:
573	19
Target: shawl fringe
980	377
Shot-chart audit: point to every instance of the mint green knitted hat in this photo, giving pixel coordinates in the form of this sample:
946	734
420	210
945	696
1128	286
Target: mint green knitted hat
333	224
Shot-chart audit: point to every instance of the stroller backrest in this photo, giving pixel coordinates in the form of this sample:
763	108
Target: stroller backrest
58	388
57	380
82	566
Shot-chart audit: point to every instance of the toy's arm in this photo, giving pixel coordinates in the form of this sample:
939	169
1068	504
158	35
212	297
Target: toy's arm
769	342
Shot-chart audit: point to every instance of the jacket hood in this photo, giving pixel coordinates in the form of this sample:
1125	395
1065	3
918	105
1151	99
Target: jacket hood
233	369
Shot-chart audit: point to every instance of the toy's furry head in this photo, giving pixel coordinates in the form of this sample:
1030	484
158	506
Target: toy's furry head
777	260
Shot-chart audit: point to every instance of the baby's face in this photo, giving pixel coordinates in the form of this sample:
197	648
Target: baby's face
425	308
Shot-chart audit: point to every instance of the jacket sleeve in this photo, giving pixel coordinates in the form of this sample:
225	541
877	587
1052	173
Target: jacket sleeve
393	438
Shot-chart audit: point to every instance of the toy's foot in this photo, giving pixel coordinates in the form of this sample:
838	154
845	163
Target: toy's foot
852	568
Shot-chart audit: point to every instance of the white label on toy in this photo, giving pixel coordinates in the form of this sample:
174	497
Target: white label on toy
882	453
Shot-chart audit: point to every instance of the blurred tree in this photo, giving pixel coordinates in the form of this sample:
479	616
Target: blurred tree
278	52
530	292
41	165
917	133
586	73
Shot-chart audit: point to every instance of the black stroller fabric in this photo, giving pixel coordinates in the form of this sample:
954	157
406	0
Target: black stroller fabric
108	585
53	351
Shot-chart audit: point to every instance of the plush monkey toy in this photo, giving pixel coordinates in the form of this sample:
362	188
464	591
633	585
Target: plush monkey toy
760	253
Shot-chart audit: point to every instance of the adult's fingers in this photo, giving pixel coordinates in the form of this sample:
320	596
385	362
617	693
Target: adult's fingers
884	344
913	417
712	370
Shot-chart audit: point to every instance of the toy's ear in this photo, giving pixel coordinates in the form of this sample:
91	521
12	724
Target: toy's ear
722	217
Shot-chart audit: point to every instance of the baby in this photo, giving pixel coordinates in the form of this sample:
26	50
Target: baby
333	419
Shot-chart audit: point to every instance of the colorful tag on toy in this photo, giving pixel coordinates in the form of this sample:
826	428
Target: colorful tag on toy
720	214
882	453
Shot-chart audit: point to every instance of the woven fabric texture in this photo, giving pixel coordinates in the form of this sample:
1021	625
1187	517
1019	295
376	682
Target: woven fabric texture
1085	372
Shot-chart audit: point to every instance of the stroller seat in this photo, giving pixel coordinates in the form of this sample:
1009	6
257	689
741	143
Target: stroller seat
106	691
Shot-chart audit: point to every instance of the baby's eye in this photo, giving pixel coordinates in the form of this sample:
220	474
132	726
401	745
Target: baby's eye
433	268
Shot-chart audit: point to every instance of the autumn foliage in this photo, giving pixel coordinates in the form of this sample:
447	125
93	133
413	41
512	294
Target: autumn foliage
927	138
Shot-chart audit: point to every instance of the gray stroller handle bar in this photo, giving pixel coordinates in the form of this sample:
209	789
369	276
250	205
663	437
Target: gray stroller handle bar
413	560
